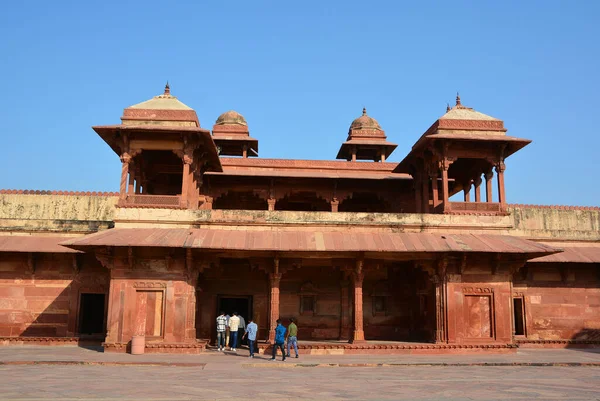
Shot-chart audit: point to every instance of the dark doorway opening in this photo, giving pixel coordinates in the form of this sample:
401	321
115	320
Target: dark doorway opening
242	304
519	316
232	303
91	314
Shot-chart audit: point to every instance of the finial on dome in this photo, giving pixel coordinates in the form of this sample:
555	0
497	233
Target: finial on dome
447	107
167	89
458	99
364	111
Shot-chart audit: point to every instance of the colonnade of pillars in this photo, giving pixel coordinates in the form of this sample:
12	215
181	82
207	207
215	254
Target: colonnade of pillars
426	199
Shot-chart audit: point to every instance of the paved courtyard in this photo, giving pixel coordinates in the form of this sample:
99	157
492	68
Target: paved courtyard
556	374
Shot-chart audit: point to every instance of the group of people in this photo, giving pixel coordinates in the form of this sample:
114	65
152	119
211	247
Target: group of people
231	330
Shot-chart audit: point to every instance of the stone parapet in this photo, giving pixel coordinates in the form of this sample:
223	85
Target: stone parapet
47	212
568	223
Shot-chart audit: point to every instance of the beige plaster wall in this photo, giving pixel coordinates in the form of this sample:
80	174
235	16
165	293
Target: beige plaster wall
56	213
581	224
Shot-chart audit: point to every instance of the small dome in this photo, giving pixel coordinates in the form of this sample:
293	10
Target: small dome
231	118
365	122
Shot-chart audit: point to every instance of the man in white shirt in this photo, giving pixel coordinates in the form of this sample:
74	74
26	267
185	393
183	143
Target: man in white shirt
234	324
241	330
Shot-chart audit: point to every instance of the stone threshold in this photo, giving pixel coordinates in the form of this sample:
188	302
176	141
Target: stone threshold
282	364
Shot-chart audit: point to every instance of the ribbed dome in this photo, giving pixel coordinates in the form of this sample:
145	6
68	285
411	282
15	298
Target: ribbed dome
231	118
365	122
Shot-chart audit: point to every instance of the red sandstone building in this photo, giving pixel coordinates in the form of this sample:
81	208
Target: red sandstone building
425	254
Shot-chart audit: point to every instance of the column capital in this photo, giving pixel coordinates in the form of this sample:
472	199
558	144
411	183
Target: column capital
500	167
125	157
275	279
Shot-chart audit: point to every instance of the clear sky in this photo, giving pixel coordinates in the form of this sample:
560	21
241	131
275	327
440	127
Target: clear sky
300	72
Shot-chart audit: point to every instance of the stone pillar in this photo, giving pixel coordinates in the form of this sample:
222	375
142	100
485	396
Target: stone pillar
274	280
445	189
130	189
477	184
435	189
334	205
418	195
440	307
125	160
489	175
500	167
185	182
382	155
467	191
358	276
271	202
353	150
245	151
425	193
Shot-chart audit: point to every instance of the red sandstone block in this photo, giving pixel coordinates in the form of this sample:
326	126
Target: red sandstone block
12	292
53	318
46	291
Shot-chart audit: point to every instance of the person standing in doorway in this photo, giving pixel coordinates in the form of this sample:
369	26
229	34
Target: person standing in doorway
251	331
279	340
221	328
241	330
226	332
234	323
292	337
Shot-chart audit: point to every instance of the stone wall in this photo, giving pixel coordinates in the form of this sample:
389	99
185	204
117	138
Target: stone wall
67	213
562	301
555	222
44	302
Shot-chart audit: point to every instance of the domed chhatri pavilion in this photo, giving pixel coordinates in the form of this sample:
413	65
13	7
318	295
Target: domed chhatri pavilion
425	255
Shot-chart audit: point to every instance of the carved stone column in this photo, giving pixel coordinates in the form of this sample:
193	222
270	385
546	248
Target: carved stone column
185	182
271	202
440	302
467	191
335	205
445	190
425	193
274	281
125	160
358	277
489	175
477	183
500	167
435	189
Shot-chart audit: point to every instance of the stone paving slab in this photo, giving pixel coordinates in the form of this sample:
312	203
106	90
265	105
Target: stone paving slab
232	360
69	383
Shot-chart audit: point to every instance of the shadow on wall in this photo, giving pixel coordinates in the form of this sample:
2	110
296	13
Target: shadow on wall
586	340
53	299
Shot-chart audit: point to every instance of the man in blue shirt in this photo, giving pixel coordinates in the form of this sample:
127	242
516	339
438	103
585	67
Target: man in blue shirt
279	340
250	331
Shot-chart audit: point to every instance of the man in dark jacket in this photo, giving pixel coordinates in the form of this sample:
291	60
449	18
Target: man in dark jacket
279	340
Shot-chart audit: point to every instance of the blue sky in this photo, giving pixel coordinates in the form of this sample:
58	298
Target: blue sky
300	72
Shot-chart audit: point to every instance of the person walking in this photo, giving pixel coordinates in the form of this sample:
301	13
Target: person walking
292	337
241	330
250	331
234	323
221	328
279	340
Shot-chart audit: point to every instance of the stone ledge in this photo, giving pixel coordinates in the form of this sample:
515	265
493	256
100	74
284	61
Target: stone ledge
51	341
558	343
159	348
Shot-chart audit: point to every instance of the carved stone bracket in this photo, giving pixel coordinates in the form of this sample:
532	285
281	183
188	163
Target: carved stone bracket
106	257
